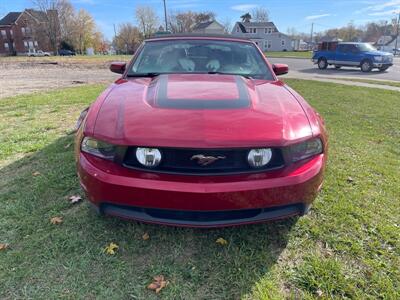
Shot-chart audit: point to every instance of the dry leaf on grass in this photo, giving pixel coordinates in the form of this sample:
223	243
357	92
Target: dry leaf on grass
319	293
56	220
36	173
158	284
145	236
75	199
67	146
221	241
3	246
111	248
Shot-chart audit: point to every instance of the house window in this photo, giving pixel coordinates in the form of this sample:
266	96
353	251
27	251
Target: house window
252	30
30	43
269	44
4	34
36	44
23	30
283	42
25	44
237	28
13	45
11	32
6	46
268	30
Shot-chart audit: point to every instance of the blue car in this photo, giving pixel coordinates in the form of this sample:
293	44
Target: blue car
362	55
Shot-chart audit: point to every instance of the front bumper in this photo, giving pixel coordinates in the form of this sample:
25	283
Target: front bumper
380	65
200	201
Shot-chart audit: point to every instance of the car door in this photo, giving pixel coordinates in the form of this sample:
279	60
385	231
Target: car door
342	55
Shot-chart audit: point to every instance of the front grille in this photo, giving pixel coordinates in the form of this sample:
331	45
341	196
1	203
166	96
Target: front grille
179	161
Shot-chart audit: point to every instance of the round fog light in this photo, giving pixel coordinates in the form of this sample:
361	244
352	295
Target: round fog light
149	157
259	157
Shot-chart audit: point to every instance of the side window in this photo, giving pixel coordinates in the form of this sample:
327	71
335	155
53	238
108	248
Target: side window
342	48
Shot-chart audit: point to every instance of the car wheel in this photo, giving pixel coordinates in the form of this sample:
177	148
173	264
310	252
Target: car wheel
322	63
366	66
383	68
337	67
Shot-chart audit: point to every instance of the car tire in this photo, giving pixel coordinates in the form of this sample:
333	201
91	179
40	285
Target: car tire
366	66
322	63
381	69
337	67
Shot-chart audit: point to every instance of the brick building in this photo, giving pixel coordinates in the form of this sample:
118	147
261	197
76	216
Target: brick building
30	29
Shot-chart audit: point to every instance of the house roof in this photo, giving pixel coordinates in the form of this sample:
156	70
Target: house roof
243	25
10	18
204	25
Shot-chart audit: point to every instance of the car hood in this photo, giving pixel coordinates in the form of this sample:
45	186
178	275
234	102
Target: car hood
201	110
380	53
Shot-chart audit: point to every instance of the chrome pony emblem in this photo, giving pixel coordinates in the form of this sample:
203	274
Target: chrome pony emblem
203	160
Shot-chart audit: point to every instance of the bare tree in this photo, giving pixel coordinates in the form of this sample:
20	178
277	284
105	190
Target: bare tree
184	21
128	38
260	14
49	20
147	20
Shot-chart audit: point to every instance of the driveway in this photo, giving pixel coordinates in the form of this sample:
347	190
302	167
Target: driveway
305	69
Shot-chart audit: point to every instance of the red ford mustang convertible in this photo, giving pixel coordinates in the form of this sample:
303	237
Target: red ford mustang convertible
199	132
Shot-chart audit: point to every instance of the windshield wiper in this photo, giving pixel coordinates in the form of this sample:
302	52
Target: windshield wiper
150	74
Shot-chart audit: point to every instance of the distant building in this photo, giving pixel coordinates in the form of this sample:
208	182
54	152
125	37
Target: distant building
388	43
212	27
24	31
265	34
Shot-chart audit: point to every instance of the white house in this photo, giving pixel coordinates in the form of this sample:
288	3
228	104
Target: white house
212	27
388	43
265	34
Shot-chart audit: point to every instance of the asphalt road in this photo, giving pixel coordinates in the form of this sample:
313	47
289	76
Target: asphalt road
304	68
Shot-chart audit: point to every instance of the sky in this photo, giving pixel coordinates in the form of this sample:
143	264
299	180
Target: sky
299	14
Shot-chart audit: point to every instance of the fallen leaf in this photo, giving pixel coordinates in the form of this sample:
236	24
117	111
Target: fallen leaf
145	236
75	199
221	241
111	248
319	293
158	284
56	220
67	146
350	179
3	246
36	173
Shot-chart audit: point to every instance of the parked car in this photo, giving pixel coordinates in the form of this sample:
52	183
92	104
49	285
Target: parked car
396	51
199	131
361	55
37	53
65	52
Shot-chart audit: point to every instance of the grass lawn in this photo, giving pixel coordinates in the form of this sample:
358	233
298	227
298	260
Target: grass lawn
348	246
299	54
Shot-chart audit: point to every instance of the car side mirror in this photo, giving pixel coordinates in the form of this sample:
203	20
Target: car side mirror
118	67
280	69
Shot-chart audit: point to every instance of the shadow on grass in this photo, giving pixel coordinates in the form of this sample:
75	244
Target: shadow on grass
47	261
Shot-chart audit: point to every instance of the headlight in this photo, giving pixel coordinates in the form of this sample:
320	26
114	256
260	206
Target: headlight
81	118
259	157
306	149
98	148
378	58
148	157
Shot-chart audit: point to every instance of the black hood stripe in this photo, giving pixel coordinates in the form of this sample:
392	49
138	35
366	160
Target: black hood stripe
187	103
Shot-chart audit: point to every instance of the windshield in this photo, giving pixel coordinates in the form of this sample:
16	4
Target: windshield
200	56
365	47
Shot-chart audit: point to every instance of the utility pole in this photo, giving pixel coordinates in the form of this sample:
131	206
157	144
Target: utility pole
165	16
312	32
397	34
